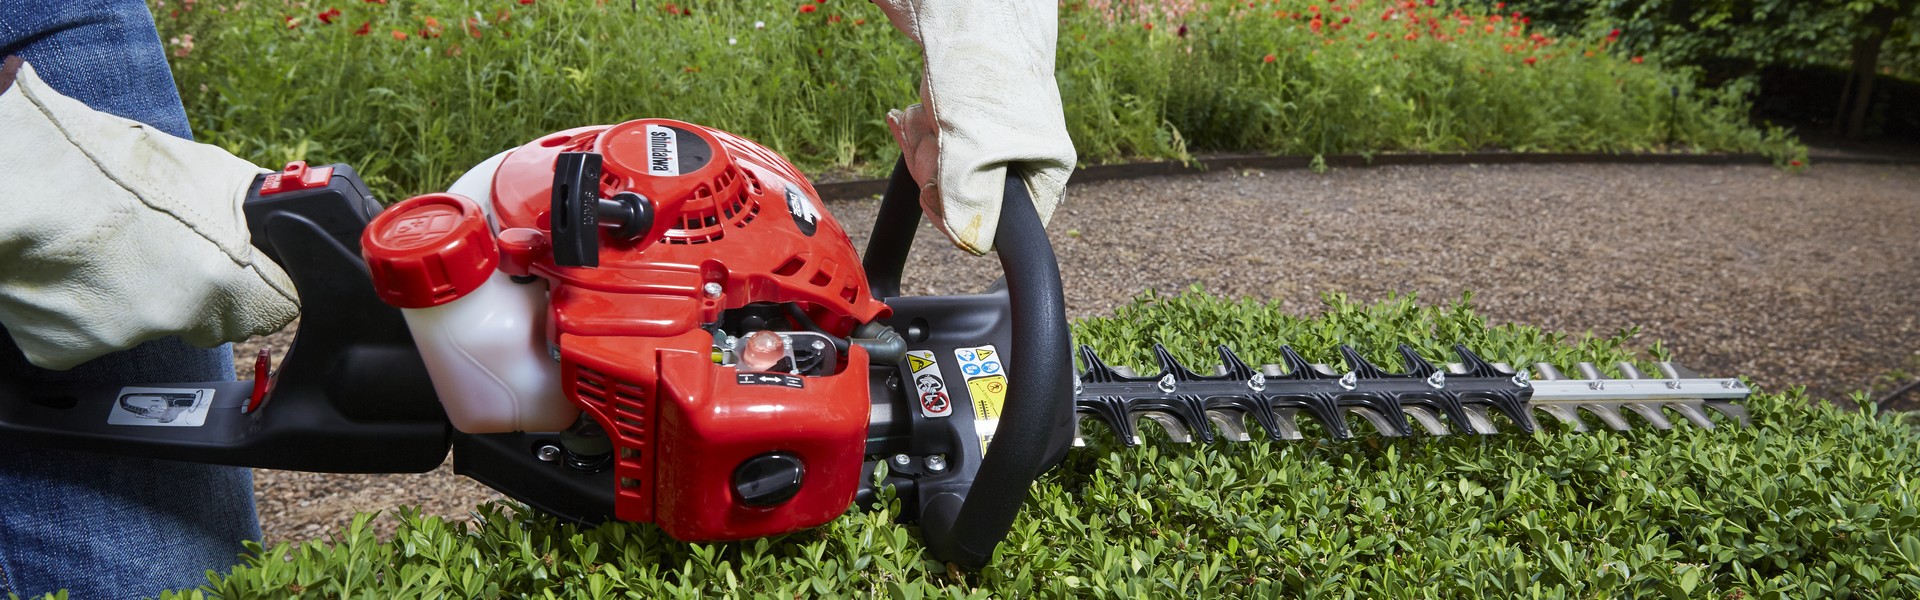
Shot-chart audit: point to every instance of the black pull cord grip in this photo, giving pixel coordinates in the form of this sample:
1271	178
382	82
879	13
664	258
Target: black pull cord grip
578	211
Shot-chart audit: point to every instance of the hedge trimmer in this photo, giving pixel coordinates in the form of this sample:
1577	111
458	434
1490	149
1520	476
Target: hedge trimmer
659	322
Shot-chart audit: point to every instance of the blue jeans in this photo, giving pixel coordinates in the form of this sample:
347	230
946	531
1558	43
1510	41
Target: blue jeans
97	525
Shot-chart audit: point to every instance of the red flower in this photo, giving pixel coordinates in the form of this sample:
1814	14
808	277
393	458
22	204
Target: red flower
807	8
1182	31
1636	60
1268	59
399	35
525	2
1149	27
1613	35
1346	20
293	22
1315	25
327	16
473	27
1795	162
833	19
364	29
1530	60
1499	6
859	21
376	1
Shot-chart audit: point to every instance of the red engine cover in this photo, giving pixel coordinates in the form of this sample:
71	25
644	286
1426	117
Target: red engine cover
633	352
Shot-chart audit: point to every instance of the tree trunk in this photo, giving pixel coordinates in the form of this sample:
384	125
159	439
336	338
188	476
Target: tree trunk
1866	62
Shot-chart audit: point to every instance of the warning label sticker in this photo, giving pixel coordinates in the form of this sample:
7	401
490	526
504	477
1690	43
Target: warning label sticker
929	386
987	382
161	407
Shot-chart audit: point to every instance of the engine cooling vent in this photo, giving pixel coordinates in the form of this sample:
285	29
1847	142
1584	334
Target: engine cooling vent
714	207
632	427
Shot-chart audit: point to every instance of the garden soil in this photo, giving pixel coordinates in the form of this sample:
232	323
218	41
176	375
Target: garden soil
1809	279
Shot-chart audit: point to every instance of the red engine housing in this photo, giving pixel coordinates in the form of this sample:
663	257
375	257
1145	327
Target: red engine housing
634	354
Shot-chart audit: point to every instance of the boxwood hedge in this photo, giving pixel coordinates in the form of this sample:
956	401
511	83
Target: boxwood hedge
1811	501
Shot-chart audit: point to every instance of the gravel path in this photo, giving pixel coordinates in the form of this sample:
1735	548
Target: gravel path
1807	279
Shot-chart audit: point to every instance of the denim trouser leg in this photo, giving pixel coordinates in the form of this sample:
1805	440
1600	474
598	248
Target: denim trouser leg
106	526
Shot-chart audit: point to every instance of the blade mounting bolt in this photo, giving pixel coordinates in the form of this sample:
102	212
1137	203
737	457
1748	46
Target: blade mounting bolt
1520	378
818	345
1438	380
1349	381
547	453
712	289
1077	386
902	460
1165	384
1596	385
936	463
1258	383
1673	384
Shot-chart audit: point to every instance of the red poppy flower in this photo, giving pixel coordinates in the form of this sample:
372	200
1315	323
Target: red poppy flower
807	8
1530	60
364	29
1636	60
399	35
1315	26
1795	162
327	16
833	19
864	21
293	22
1269	58
525	2
1149	27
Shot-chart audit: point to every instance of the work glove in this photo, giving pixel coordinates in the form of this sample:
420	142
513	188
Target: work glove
113	233
987	100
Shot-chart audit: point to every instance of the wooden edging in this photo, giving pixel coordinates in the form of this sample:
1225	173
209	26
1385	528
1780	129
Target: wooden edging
864	188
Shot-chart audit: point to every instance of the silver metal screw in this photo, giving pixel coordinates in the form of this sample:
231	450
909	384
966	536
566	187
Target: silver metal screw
1437	380
547	453
902	460
1520	378
1258	382
819	345
712	289
936	463
1673	384
1165	384
1596	385
1349	381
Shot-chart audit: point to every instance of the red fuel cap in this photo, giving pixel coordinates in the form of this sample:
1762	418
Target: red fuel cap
429	250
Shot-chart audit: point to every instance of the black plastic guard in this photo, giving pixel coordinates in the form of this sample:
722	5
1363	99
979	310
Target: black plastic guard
352	395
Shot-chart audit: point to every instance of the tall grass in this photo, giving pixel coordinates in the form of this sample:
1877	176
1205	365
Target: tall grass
412	93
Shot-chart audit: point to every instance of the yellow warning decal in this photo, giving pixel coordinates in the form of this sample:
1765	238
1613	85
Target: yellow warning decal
917	363
987	383
989	396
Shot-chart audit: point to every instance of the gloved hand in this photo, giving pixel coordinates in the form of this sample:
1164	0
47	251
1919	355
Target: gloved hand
988	99
112	233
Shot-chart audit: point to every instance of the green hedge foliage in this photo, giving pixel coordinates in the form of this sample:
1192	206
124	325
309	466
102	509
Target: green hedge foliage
1809	502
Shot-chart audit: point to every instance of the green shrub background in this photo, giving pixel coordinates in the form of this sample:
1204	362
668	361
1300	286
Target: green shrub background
1810	502
272	81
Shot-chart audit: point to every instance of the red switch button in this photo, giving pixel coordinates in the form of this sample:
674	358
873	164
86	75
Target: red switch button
295	176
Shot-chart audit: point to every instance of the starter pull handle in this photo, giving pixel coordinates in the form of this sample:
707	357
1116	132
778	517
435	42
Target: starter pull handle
578	211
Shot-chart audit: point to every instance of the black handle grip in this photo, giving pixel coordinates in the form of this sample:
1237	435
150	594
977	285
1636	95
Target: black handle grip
965	528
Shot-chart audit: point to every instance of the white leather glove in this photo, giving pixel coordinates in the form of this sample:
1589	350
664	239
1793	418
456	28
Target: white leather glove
988	99
113	233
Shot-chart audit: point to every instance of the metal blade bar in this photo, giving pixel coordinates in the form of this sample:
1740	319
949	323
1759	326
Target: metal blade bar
1462	397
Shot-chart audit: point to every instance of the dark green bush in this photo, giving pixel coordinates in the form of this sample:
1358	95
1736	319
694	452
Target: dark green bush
1810	502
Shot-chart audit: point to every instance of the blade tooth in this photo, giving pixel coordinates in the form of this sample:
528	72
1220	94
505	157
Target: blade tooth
1503	368
1079	439
1628	371
1650	412
1427	420
1359	365
1454	368
1325	371
1297	367
1284	427
1477	415
1231	424
1680	372
1667	370
1566	414
1548	372
1177	431
1096	369
1608	414
1272	371
1219	370
1171	365
1125	371
1587	371
1415	364
1381	423
1231	365
1692	411
1737	412
1112	412
1476	366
